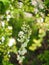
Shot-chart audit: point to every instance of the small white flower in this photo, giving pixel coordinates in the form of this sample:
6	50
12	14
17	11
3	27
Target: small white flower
25	43
3	38
36	10
42	14
21	40
20	4
22	51
8	53
8	17
11	42
3	23
20	58
21	33
40	20
7	12
34	2
9	27
27	14
41	6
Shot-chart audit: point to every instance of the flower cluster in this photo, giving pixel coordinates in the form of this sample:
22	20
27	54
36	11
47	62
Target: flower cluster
23	38
38	10
38	4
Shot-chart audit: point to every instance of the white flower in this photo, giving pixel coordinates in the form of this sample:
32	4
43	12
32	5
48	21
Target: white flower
20	4
34	2
21	33
3	38
21	40
27	14
11	42
20	58
3	23
9	27
22	51
42	14
7	12
36	10
40	20
25	43
8	17
41	6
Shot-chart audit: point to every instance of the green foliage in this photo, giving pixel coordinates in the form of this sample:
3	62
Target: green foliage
44	58
47	3
23	26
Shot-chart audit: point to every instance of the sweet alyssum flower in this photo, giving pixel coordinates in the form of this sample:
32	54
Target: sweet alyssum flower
11	42
34	2
20	58
40	19
3	38
26	14
8	17
41	6
9	27
3	23
21	33
20	4
36	10
22	51
7	12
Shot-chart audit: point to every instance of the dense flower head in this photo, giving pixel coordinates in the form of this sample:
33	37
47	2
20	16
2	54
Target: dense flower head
24	27
11	42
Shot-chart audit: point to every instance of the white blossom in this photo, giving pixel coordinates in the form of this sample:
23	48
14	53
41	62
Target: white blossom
27	14
3	38
42	14
21	33
36	10
20	4
7	12
20	58
34	2
21	40
22	51
9	27
41	6
8	17
40	20
11	42
3	23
